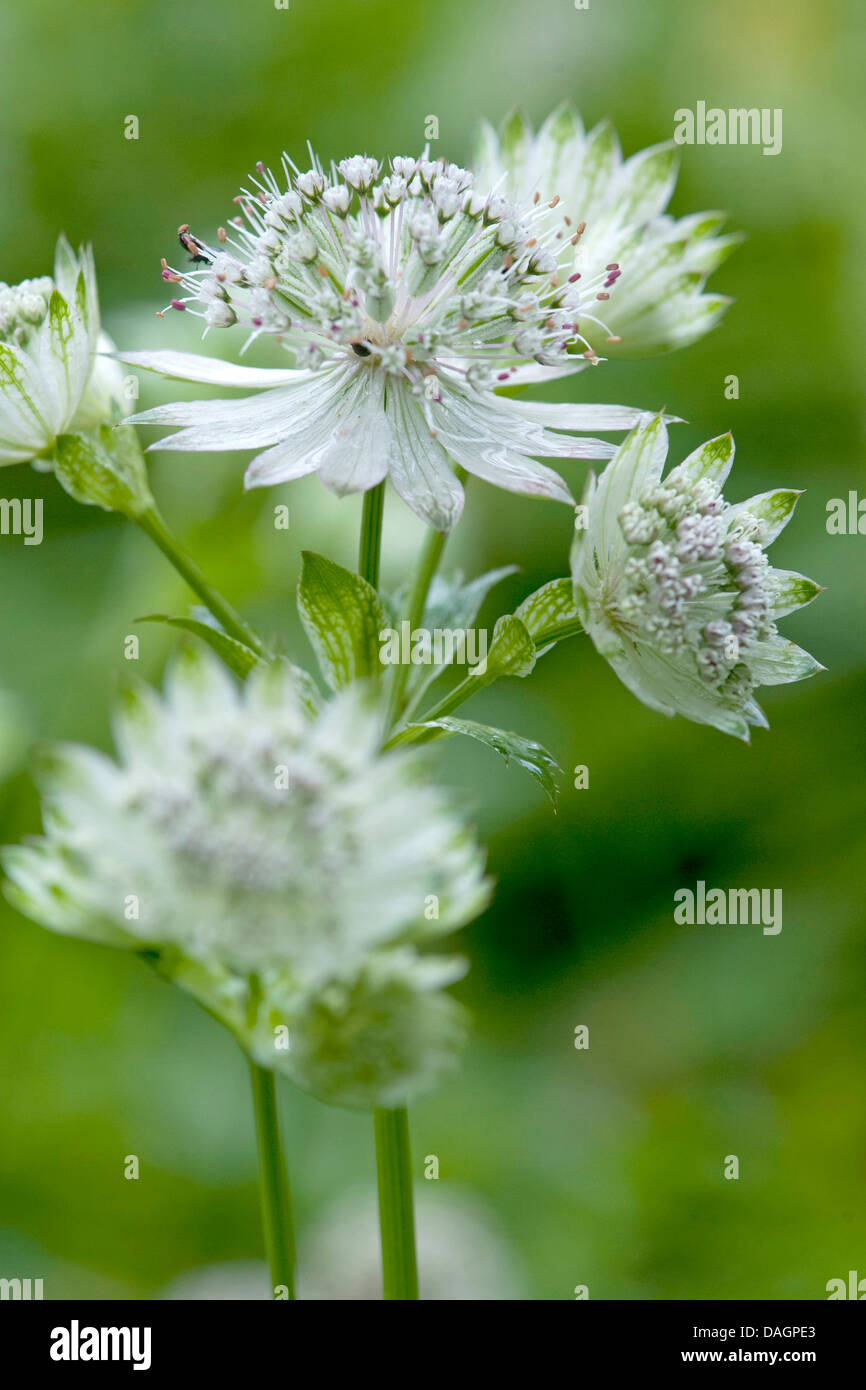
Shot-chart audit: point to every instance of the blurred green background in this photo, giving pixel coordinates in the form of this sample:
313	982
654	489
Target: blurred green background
602	1167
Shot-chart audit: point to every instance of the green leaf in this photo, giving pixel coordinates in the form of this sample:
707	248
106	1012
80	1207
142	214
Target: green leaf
237	657
512	651
104	468
531	756
343	617
549	614
454	604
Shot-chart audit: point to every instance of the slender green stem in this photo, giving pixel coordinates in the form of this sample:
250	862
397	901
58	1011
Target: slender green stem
391	1127
396	1210
371	534
153	526
414	733
273	1183
469	686
428	563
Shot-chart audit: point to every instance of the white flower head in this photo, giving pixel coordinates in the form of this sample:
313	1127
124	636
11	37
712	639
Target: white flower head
274	863
52	379
407	300
675	590
655	300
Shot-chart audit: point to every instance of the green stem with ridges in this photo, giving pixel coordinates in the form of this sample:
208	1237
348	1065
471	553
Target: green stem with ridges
391	1127
428	563
371	534
274	1191
396	1207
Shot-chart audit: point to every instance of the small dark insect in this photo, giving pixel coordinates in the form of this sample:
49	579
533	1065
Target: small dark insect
197	250
361	349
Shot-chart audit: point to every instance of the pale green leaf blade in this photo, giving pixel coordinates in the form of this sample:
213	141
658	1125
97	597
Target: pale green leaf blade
512	651
343	617
532	756
237	657
550	614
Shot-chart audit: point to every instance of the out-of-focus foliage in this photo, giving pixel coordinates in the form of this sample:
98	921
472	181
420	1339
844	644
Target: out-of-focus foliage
605	1167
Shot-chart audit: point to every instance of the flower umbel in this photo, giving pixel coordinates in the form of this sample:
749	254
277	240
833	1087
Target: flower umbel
272	862
51	379
618	206
674	588
407	299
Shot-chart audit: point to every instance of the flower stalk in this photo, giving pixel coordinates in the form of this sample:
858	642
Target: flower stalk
371	534
153	526
396	1207
274	1190
428	563
391	1127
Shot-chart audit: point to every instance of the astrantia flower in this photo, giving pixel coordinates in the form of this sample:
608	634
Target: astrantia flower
51	379
406	299
616	207
674	588
273	862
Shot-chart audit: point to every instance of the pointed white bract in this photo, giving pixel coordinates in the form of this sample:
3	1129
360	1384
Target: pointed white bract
273	862
52	378
407	300
616	214
674	588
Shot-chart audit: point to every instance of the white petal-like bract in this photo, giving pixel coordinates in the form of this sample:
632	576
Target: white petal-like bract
617	224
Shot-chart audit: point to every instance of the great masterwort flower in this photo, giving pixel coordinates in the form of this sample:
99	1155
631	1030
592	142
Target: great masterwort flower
51	379
673	586
618	208
274	863
407	299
